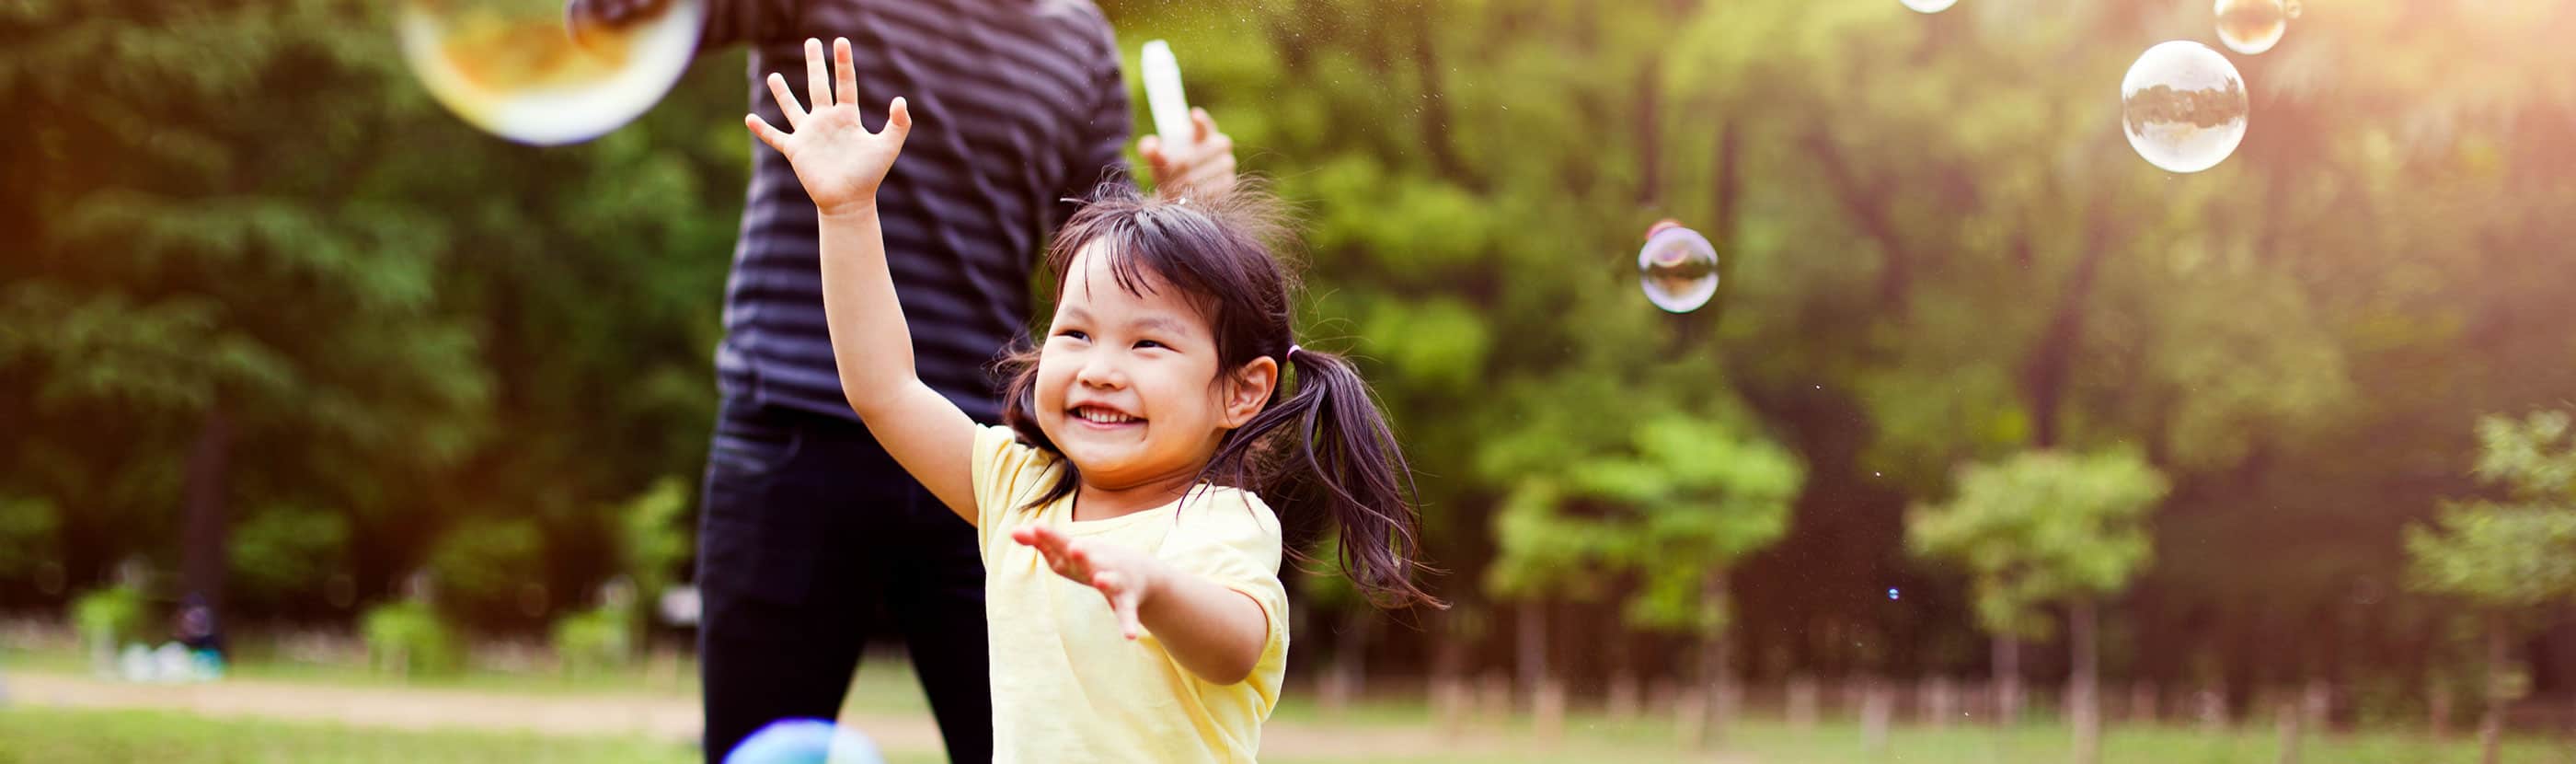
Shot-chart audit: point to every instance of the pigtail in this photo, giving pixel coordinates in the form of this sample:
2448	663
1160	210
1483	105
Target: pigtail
1339	454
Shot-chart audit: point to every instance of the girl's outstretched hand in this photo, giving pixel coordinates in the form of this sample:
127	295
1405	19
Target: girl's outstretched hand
835	156
1123	575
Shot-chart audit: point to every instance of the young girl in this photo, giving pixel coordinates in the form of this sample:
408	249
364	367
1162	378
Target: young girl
1131	574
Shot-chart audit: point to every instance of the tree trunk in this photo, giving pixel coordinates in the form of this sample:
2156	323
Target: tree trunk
207	553
1714	659
1531	622
2289	728
1802	703
1877	709
2082	703
1350	660
2007	681
2491	729
1434	109
1450	694
2439	708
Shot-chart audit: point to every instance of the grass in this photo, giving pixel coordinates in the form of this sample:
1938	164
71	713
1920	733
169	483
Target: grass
79	736
30	734
885	685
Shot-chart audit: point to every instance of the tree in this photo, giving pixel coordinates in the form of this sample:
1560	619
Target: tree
1690	501
2043	528
2507	558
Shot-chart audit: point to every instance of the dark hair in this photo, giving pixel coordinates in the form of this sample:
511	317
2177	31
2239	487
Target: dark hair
1326	446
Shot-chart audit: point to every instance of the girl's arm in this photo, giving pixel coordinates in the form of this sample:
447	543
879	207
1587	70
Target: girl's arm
1215	632
841	163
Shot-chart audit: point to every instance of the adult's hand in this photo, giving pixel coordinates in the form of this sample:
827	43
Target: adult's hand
1206	165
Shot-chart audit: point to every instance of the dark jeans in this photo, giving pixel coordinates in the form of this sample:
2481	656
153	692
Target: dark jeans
809	532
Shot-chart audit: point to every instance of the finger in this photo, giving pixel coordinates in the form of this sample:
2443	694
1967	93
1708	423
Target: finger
818	81
1151	149
786	101
1210	176
1206	125
898	120
847	74
1121	601
767	134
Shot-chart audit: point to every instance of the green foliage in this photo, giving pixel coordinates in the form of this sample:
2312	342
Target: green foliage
286	550
481	568
1694	499
2516	555
1673	510
409	638
654	536
597	639
111	616
2042	527
29	535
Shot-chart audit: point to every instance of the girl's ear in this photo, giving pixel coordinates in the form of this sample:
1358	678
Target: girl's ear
1249	391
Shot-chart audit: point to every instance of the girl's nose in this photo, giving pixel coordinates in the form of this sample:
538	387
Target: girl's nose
1099	370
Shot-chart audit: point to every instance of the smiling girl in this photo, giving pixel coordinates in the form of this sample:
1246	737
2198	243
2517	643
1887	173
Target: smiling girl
1132	571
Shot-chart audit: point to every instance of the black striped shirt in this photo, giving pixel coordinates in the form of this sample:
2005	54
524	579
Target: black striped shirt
1016	105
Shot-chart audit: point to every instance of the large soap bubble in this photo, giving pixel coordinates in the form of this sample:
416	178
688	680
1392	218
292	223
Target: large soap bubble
804	741
2183	106
2254	26
509	67
1929	6
1678	268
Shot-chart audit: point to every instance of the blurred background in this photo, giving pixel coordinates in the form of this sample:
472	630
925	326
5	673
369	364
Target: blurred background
1996	443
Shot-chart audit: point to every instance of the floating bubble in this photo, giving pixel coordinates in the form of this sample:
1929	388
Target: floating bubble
510	68
2254	26
1678	268
1891	593
1929	6
804	741
2183	106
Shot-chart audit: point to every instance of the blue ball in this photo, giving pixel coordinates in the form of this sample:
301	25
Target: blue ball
804	741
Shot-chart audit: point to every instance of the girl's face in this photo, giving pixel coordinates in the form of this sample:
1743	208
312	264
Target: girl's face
1128	384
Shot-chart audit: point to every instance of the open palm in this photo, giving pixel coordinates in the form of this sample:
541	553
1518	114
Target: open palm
835	156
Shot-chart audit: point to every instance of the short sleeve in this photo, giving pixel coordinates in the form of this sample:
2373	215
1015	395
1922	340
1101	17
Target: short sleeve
1006	473
1233	539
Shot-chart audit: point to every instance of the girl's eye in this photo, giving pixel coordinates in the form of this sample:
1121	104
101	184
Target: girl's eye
1075	334
1149	344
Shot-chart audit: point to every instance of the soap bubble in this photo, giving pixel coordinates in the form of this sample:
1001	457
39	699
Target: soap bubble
1929	6
1891	593
804	741
2254	26
510	68
2183	106
1678	268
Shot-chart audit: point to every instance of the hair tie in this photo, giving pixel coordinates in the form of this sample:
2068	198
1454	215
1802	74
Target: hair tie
1292	352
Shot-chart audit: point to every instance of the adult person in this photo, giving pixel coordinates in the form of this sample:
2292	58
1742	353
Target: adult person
808	530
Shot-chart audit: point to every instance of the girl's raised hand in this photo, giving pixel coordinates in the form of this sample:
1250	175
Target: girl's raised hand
1124	576
835	156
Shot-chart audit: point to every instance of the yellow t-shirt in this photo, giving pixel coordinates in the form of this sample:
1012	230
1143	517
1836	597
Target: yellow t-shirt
1067	685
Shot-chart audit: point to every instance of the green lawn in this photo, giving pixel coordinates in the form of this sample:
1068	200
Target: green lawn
29	734
885	685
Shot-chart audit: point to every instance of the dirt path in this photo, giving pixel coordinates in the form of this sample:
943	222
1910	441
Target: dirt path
674	719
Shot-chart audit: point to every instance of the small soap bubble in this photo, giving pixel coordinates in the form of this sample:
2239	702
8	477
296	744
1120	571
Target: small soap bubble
2253	26
2183	106
1891	593
1678	268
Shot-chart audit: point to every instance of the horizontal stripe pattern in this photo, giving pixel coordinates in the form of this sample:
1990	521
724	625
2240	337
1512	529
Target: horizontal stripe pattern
1017	106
